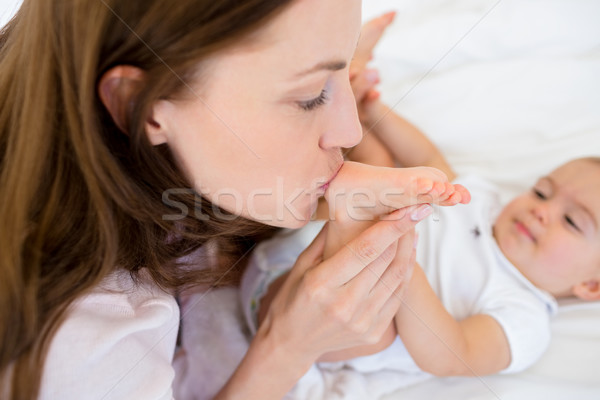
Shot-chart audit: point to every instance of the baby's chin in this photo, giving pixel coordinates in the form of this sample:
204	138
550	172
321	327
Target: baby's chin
508	245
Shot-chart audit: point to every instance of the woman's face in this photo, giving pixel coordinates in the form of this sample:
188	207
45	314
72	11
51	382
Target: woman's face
263	132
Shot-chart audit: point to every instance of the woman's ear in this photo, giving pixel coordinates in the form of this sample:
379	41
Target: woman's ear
588	290
117	89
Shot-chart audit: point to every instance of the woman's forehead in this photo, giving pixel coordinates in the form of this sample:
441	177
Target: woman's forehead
306	34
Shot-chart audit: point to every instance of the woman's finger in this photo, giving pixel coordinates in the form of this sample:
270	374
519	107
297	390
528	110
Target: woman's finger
365	280
355	256
390	308
397	273
382	305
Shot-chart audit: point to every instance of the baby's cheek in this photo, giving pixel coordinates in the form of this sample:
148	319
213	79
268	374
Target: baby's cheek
556	262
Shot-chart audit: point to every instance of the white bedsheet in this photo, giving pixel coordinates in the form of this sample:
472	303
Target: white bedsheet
508	89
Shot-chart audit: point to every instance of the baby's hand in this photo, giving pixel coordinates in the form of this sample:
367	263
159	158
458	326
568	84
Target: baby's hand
364	192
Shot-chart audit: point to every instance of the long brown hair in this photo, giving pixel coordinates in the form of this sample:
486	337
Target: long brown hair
80	199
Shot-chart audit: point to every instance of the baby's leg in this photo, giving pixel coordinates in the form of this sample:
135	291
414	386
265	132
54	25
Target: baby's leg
371	151
370	34
340	355
363	192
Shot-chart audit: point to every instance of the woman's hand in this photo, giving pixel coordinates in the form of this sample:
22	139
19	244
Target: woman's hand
347	300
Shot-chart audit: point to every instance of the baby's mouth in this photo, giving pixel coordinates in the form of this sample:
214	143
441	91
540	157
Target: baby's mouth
524	230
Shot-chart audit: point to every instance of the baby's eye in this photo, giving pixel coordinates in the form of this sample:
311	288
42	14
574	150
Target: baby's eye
571	222
314	103
539	194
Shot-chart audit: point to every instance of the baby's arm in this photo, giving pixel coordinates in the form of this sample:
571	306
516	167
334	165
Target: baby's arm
370	150
443	346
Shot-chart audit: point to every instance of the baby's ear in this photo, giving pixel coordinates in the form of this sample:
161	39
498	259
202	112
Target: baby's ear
588	290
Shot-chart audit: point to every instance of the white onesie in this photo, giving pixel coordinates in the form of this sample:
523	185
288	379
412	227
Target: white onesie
462	262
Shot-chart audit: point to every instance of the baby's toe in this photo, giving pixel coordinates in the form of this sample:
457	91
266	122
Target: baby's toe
425	186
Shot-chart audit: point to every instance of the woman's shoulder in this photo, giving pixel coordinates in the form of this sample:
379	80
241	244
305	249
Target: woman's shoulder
116	342
121	292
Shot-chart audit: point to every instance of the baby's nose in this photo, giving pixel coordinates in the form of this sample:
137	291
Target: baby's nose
541	212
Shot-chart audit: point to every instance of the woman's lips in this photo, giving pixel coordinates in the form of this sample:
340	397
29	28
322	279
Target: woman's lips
326	184
521	228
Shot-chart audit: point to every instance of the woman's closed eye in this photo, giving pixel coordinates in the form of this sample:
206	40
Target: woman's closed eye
314	103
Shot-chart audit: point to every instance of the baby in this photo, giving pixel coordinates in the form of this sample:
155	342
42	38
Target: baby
481	297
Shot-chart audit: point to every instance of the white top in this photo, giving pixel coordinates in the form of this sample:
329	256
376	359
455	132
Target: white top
471	275
116	343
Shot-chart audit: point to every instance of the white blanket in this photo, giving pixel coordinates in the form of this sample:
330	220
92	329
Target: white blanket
508	89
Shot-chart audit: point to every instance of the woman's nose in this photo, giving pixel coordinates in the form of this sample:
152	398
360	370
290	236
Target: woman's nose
343	128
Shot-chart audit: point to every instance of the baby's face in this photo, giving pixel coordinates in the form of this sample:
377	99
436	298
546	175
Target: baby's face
552	233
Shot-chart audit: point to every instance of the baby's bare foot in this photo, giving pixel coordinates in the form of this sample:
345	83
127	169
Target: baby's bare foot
365	192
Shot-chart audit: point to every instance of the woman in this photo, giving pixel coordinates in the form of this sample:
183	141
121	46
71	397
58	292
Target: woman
110	111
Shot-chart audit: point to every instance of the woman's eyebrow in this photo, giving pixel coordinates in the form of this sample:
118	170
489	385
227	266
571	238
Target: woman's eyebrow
334	65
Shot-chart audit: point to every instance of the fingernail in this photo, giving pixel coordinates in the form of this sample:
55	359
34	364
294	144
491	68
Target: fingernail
421	212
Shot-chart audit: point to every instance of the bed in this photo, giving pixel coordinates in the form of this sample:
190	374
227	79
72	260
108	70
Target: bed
508	89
